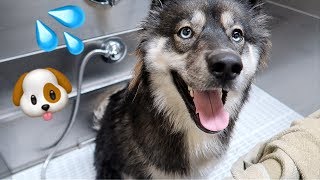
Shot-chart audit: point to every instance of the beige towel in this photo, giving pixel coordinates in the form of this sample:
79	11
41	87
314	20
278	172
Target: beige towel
293	154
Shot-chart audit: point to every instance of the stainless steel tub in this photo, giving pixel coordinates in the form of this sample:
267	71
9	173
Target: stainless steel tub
22	139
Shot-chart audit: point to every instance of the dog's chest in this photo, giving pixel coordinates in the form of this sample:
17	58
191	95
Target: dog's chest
204	151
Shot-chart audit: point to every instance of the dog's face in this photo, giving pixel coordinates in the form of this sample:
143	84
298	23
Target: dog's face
42	92
214	46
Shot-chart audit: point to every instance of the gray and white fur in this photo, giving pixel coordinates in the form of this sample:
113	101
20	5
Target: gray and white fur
148	129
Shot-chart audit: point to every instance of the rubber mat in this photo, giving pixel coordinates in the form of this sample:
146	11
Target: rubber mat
262	117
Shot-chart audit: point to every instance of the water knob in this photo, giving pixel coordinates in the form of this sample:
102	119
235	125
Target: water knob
115	48
106	2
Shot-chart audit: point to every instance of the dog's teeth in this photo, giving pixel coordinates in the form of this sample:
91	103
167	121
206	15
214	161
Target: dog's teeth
191	93
221	93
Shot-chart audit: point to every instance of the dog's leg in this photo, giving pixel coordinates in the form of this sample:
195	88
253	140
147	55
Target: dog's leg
99	111
107	172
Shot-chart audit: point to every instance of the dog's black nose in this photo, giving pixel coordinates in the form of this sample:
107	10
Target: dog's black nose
225	66
45	107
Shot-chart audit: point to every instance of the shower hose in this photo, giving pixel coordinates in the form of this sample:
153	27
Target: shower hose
75	108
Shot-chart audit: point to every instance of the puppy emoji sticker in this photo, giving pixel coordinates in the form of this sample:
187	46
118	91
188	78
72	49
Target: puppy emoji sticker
42	92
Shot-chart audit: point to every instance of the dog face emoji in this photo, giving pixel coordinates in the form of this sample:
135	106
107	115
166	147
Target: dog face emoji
42	92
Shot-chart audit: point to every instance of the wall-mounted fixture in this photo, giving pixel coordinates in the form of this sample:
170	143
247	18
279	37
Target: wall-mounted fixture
115	49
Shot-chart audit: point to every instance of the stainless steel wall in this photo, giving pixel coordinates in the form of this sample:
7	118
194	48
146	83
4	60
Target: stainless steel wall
22	139
18	17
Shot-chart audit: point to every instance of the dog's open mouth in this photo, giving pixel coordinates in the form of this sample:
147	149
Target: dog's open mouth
205	107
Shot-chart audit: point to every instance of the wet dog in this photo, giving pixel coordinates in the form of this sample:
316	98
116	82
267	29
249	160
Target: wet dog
196	63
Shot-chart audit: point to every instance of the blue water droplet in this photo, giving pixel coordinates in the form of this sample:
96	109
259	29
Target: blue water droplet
74	44
70	16
46	38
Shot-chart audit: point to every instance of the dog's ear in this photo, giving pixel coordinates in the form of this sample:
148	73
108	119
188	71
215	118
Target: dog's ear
256	4
62	80
253	2
158	3
18	91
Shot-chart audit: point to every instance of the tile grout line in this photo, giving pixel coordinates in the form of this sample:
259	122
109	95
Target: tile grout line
294	9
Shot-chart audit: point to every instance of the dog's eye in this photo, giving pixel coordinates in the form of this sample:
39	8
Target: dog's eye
33	100
52	95
185	33
237	35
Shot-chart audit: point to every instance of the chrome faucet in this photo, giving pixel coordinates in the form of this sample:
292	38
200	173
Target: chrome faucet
106	2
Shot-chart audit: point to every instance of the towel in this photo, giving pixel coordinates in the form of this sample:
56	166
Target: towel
292	154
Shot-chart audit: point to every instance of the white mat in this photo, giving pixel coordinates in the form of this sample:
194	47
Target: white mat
262	118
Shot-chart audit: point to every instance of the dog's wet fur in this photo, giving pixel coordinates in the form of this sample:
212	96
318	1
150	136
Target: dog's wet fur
148	129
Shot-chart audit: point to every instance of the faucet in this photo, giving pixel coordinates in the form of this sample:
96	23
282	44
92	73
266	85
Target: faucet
106	2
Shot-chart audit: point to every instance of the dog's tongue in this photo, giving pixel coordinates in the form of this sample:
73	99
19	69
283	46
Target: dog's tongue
47	116
212	114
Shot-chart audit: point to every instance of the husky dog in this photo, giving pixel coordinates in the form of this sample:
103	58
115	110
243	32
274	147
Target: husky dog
196	62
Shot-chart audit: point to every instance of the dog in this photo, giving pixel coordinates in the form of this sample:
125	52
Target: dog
196	61
42	92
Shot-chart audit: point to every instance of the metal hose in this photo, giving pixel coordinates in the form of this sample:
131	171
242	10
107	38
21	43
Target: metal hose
74	109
